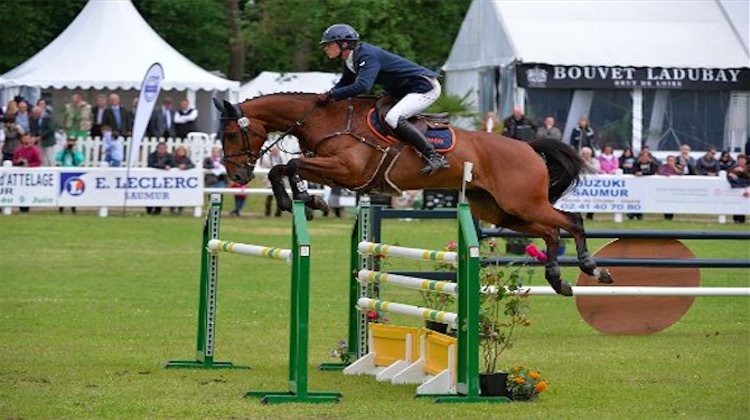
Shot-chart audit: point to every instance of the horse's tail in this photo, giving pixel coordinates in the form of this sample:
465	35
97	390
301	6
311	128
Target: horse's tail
563	164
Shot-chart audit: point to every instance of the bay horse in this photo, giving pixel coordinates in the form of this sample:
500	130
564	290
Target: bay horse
514	183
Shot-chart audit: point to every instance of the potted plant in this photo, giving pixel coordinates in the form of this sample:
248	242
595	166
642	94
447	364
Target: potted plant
503	311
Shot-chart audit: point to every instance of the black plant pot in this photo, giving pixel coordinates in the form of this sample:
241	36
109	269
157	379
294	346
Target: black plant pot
494	384
436	326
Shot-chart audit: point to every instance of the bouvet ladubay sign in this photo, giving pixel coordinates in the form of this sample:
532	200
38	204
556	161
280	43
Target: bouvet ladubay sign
544	76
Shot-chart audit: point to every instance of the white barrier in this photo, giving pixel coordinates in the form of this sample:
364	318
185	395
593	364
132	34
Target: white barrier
408	310
369	276
373	248
252	250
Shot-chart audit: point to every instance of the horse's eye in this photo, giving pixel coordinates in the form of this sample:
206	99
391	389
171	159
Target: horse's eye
231	136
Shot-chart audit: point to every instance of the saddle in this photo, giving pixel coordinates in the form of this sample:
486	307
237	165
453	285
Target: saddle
423	121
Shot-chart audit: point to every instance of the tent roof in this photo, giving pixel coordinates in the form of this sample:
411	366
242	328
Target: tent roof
110	46
272	82
690	34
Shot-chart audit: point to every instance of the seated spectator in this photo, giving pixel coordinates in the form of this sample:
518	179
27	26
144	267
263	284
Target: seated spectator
217	177
182	162
69	157
548	130
160	159
739	175
608	163
670	168
519	127
708	165
686	162
591	163
627	161
726	162
113	147
645	165
182	158
27	155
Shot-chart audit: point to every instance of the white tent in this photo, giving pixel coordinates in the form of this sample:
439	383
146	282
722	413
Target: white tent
109	46
499	41
272	82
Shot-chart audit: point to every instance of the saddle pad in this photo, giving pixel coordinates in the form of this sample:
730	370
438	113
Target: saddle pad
443	139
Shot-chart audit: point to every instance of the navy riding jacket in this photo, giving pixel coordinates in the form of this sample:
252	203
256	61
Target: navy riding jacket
373	64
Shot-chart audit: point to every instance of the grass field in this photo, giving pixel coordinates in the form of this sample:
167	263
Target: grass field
91	309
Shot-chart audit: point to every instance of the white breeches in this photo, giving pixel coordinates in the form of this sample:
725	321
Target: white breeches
413	103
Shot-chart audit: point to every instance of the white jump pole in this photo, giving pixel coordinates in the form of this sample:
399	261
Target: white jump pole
372	248
370	276
252	250
409	310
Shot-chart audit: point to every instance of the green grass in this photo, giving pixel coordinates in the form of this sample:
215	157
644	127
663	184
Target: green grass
91	308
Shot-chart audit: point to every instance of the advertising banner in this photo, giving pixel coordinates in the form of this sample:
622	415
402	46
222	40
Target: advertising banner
544	76
656	194
29	187
143	187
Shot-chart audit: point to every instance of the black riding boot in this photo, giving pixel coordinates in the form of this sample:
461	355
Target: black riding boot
410	134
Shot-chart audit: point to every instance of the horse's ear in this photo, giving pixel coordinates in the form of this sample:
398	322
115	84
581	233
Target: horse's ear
219	105
229	109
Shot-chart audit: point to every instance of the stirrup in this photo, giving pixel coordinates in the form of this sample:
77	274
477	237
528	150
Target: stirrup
434	163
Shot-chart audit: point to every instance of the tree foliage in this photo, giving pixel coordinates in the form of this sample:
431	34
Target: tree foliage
279	35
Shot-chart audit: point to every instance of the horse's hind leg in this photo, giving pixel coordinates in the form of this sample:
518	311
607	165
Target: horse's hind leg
585	261
551	237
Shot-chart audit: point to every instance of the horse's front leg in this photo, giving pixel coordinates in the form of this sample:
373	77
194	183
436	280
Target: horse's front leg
552	267
299	190
276	177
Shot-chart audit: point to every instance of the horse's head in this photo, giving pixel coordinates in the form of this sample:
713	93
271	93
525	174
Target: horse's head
241	140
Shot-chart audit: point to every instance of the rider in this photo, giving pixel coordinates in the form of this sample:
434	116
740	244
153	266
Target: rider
414	86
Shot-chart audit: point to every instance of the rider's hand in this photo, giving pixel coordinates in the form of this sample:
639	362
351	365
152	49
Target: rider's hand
323	98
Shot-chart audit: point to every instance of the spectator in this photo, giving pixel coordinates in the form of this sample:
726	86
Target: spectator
69	157
647	150
608	163
113	147
583	136
185	119
160	159
645	165
549	130
10	110
739	175
167	117
118	118
686	162
627	161
43	129
239	200
491	124
217	175
593	166
182	162
726	163
97	113
273	158
23	117
13	134
708	164
78	118
27	155
517	126
670	168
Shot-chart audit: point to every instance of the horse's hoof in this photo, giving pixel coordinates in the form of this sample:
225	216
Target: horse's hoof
602	275
309	214
303	197
564	289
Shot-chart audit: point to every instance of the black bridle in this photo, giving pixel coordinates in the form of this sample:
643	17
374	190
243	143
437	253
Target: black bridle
243	123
